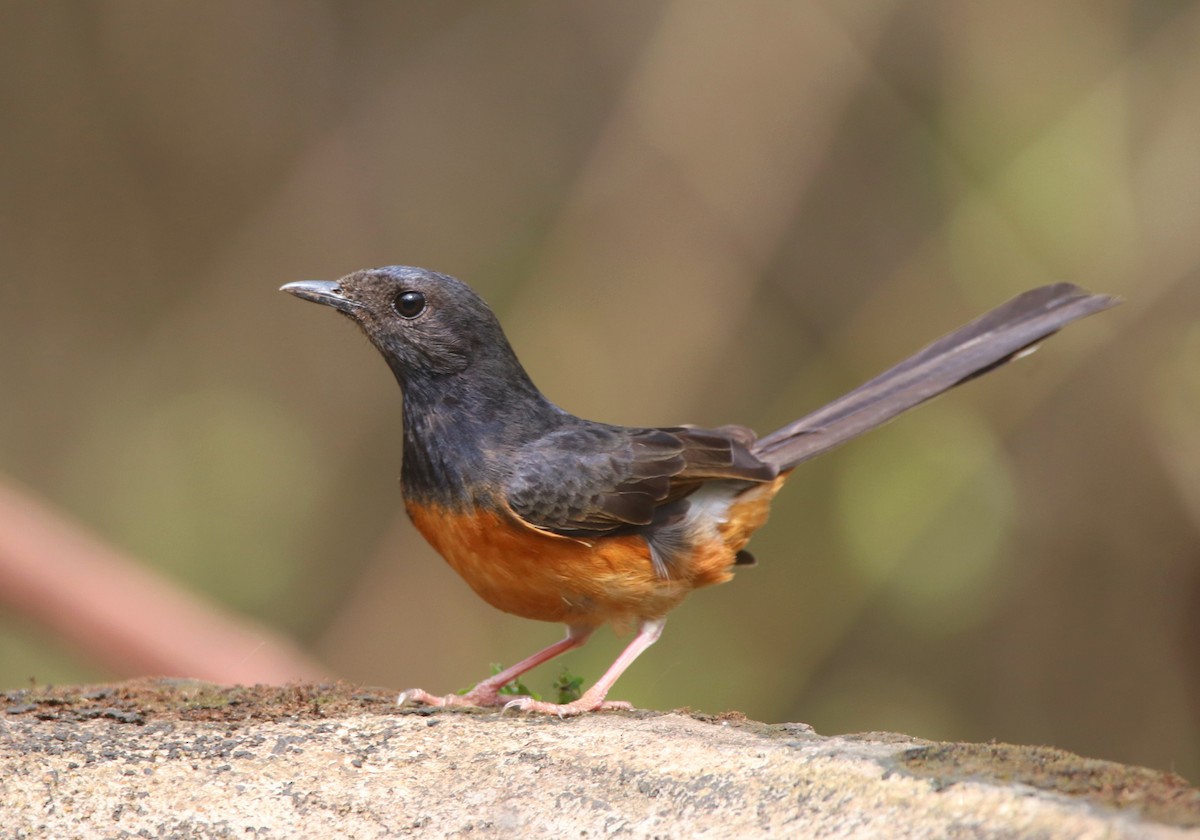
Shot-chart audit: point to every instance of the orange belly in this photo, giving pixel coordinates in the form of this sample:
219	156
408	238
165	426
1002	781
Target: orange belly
531	573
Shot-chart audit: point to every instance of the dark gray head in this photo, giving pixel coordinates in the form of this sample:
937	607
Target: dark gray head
466	396
427	325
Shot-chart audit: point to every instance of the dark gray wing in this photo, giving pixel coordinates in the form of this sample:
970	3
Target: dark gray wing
590	479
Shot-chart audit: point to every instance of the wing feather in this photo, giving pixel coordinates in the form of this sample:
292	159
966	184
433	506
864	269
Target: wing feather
591	479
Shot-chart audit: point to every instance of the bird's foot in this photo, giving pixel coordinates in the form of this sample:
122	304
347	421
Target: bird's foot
576	707
482	697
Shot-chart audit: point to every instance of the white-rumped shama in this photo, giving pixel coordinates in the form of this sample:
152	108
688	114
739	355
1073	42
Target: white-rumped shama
553	517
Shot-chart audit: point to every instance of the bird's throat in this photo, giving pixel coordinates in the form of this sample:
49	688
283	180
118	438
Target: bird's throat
456	440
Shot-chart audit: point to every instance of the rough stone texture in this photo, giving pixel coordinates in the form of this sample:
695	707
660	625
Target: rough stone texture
178	759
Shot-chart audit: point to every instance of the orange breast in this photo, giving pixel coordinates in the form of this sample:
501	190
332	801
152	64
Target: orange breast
531	573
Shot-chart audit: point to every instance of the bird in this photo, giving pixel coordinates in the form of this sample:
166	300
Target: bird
556	518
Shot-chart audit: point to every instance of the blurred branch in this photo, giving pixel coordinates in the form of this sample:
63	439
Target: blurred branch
121	614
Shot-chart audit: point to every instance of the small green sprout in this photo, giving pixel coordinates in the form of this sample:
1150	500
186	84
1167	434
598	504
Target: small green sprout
568	687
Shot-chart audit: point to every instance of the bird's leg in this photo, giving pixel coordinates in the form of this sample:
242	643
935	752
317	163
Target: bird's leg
487	693
593	699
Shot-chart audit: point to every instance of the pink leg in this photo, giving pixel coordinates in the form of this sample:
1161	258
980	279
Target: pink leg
593	698
487	693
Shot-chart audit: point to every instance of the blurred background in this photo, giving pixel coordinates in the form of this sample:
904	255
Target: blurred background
683	212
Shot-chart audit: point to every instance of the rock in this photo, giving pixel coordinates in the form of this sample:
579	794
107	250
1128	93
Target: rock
180	759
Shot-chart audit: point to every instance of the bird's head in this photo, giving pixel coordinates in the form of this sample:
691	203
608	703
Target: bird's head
426	325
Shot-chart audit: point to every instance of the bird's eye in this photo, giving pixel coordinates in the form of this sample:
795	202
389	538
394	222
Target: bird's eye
409	304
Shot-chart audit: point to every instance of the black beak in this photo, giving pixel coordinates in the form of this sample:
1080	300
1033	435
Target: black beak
321	291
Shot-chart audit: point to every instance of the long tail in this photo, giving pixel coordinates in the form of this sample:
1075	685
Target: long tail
1007	332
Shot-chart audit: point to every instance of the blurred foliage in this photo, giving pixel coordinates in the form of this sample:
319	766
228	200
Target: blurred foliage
682	212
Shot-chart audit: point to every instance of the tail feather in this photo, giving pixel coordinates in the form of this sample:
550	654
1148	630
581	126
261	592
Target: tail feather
1007	332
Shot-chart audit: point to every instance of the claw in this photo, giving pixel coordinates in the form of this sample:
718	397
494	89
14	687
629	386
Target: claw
564	710
471	698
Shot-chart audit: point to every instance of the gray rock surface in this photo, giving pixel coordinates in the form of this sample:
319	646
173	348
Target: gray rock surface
167	759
